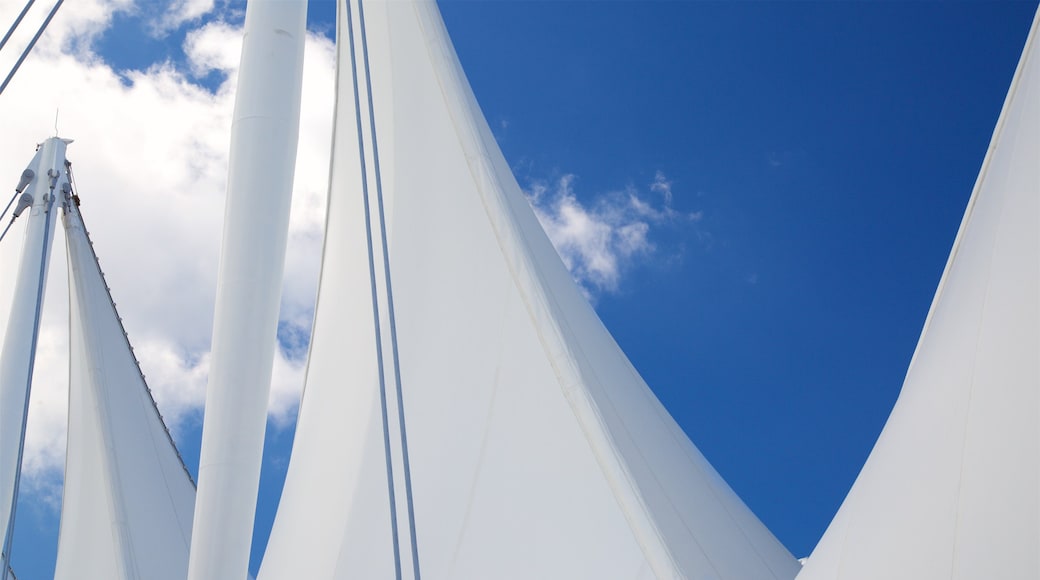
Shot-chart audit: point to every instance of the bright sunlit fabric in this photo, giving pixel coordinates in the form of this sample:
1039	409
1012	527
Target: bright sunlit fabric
536	450
951	489
128	500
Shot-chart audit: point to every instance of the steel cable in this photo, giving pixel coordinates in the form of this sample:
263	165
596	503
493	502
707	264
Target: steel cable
32	43
17	21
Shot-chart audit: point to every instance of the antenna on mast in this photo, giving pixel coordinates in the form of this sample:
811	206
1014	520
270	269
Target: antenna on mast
56	111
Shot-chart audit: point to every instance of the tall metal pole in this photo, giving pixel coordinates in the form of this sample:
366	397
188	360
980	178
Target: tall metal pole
18	358
264	135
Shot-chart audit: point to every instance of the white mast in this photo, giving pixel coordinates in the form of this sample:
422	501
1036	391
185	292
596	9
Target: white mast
264	134
49	179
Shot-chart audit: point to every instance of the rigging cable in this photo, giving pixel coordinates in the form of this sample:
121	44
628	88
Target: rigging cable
32	43
17	21
389	298
13	197
375	301
9	224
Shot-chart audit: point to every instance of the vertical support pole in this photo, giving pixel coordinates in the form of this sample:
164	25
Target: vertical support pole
264	135
18	358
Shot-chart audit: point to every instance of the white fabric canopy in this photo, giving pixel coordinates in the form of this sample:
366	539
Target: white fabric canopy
535	448
128	499
951	489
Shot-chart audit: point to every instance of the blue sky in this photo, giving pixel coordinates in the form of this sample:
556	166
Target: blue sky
830	148
809	163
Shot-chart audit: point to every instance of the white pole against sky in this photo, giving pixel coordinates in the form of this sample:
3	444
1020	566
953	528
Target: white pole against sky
264	135
49	179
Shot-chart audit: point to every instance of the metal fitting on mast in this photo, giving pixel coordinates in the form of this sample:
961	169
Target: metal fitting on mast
27	177
24	201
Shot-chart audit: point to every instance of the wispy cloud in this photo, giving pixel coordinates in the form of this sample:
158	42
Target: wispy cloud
180	12
600	239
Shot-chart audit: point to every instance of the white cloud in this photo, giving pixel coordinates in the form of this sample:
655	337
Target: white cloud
598	242
216	46
149	160
73	29
183	11
662	185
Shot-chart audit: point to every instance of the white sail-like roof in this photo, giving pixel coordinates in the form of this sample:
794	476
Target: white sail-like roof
128	500
534	448
951	490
